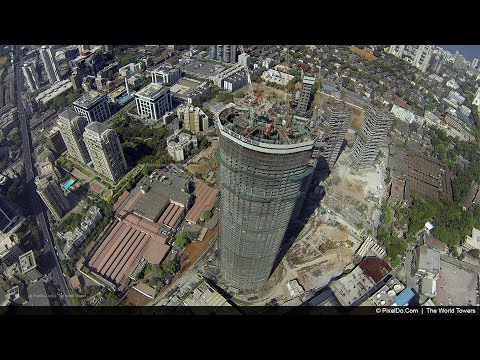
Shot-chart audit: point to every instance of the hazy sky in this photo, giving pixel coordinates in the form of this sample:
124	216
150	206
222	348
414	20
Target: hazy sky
469	51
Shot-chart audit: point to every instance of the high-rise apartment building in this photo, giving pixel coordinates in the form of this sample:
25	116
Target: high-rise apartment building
476	99
418	55
422	57
474	64
397	50
29	70
194	119
72	126
55	141
93	105
105	150
262	171
50	64
52	194
371	136
225	53
305	95
338	117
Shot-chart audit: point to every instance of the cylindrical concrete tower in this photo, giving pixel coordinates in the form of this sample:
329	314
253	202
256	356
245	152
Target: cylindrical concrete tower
262	168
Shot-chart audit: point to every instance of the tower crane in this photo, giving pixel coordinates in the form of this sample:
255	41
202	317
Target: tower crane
250	88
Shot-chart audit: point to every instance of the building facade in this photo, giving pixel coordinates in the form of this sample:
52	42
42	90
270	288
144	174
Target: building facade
371	137
166	75
225	53
260	183
338	117
105	150
29	70
180	144
305	94
93	106
422	57
72	126
50	64
194	119
55	141
417	55
476	99
29	267
153	101
52	195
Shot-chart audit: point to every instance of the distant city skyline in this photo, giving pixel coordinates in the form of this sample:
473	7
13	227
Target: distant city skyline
469	51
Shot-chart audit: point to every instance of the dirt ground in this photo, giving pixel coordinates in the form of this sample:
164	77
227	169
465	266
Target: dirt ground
3	60
196	249
319	274
353	187
205	162
357	119
315	242
134	298
363	53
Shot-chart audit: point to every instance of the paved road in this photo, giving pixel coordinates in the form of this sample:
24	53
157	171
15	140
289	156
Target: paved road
460	264
187	277
51	261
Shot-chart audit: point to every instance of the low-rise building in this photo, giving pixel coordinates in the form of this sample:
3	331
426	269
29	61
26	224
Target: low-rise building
454	95
277	77
189	90
429	287
452	84
294	288
194	119
166	75
153	101
428	261
406	115
28	266
352	288
201	69
180	144
205	295
130	69
74	239
53	91
472	242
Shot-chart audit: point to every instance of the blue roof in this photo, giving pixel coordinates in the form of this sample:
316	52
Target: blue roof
404	297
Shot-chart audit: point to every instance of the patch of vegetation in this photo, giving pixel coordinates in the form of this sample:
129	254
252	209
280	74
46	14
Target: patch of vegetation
141	143
225	97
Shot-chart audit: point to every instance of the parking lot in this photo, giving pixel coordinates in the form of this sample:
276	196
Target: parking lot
456	287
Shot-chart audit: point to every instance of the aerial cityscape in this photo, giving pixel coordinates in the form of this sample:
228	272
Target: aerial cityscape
240	177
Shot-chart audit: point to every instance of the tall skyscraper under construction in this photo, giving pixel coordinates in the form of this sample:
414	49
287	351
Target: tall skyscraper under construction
263	165
371	136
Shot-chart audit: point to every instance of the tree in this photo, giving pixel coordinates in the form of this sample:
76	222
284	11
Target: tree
207	215
169	267
475	253
291	85
111	299
182	239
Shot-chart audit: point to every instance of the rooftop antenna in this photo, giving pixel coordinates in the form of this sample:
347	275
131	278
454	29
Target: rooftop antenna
250	88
